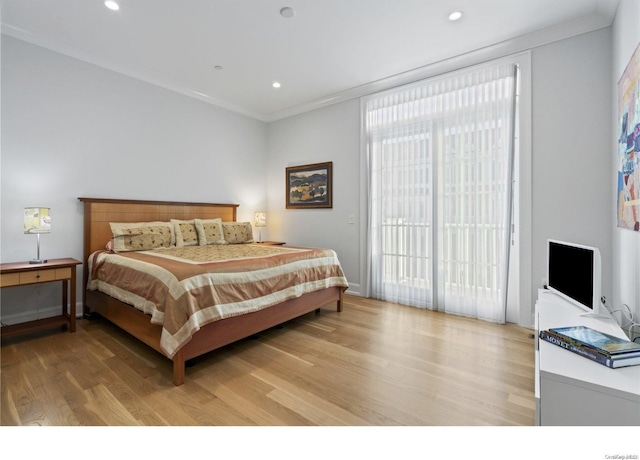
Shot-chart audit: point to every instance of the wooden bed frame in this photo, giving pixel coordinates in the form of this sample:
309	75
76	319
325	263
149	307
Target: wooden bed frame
98	213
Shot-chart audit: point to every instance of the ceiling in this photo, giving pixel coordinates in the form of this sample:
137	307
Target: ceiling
229	52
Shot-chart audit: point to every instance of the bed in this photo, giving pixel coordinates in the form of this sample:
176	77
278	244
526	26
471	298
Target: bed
205	321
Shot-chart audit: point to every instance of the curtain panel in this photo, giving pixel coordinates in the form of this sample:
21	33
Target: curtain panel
439	158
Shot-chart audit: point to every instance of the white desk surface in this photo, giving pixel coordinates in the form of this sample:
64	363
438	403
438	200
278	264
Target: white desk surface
564	365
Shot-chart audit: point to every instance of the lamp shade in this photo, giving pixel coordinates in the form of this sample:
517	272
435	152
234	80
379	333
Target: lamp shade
37	220
261	219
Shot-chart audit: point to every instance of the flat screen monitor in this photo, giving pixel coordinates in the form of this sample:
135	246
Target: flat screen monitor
573	272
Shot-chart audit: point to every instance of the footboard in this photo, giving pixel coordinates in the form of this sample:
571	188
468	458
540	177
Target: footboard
220	333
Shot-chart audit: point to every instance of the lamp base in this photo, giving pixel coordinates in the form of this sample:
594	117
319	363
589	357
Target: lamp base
38	261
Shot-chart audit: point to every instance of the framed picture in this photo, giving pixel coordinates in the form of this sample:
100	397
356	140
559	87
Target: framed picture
310	186
628	175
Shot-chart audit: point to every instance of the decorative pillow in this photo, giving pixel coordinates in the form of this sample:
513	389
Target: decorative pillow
237	232
209	231
142	236
186	234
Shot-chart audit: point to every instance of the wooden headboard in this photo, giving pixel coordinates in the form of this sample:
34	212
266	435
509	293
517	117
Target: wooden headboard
99	212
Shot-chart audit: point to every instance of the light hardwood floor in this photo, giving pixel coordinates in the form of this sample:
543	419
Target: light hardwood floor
375	363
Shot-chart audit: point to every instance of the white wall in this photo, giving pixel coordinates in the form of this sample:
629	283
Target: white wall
71	129
626	243
571	148
328	134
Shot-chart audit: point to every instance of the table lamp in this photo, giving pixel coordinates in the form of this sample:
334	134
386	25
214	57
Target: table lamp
261	221
37	220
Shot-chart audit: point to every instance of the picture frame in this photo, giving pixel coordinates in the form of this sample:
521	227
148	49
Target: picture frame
628	174
309	186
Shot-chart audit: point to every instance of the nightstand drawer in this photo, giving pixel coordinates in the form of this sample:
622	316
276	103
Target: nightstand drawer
63	273
37	276
9	279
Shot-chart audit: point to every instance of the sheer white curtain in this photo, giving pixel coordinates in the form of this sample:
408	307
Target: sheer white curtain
440	162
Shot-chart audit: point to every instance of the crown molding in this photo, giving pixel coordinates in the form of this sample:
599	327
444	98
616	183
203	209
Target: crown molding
579	26
138	74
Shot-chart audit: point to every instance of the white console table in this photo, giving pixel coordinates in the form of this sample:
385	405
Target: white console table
572	390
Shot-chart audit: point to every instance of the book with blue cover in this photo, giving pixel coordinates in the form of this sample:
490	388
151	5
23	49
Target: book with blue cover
600	341
616	361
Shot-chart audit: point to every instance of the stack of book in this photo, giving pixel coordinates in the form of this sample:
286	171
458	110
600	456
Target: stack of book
603	348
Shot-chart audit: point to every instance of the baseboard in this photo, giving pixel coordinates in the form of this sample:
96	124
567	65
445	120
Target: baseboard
354	289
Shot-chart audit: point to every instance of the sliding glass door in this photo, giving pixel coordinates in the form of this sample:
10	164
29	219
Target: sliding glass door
440	162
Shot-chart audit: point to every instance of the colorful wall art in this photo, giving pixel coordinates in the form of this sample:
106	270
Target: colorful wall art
310	186
629	145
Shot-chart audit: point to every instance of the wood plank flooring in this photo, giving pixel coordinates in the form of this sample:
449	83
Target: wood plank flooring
375	363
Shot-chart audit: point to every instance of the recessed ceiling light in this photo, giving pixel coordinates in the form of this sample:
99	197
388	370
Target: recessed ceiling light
455	15
276	84
287	12
112	5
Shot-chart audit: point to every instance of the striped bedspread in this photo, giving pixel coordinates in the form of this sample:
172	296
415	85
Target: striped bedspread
185	288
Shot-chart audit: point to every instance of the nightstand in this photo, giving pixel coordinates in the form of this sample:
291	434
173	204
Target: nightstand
54	270
272	243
